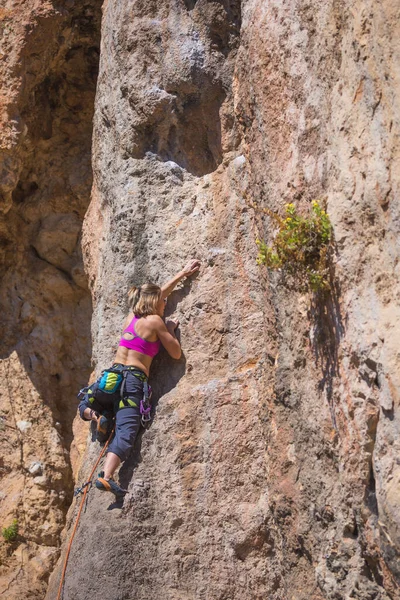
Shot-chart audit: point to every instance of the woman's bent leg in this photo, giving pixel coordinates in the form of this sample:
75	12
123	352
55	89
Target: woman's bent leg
111	465
97	401
127	423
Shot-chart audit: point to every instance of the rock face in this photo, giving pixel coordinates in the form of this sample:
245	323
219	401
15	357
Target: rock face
271	469
48	69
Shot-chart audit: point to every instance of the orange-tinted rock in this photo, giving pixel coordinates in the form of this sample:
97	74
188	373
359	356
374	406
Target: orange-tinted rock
49	55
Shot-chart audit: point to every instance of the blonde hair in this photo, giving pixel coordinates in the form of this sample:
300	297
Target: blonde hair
143	300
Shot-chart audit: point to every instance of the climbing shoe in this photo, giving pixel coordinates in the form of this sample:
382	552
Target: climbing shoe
109	485
104	426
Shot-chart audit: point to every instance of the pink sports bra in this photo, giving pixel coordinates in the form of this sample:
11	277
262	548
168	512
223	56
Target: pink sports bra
137	343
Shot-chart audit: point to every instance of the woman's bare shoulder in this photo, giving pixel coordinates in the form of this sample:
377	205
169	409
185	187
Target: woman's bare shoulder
154	320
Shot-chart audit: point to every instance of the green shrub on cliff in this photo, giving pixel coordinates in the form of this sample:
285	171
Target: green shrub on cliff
300	247
10	533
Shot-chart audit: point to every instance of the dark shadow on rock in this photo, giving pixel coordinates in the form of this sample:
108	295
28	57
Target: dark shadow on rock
223	32
389	413
177	296
168	374
117	504
93	431
184	121
328	330
183	126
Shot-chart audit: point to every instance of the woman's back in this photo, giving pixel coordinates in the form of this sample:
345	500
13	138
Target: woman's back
139	342
140	335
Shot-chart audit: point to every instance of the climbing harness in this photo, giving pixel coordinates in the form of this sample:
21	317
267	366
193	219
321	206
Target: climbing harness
145	406
115	378
82	490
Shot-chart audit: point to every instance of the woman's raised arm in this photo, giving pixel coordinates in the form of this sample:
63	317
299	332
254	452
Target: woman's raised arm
189	269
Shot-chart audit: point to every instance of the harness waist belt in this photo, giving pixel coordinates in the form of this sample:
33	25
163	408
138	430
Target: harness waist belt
135	370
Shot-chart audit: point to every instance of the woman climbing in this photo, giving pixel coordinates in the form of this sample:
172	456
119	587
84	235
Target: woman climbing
144	331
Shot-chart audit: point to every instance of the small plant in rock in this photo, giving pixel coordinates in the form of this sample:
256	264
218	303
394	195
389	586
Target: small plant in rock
10	533
301	246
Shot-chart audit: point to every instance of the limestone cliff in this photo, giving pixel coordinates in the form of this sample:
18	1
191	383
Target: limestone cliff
271	469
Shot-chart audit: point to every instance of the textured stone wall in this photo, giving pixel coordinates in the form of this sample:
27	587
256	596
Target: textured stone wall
320	120
271	468
48	69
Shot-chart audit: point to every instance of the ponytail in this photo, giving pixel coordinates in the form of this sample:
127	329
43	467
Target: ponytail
143	300
133	296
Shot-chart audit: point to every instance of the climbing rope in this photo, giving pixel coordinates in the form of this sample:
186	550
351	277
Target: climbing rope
82	490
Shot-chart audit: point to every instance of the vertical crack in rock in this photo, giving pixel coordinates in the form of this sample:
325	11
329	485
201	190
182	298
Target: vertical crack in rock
48	77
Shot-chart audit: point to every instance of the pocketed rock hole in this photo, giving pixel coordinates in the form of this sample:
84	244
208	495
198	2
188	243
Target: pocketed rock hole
184	118
193	139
